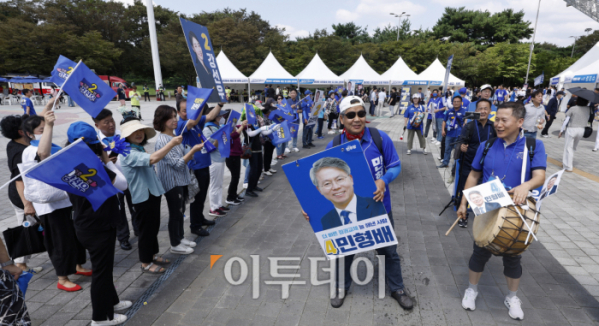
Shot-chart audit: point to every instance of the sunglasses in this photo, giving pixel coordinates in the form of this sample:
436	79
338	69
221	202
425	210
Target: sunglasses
351	115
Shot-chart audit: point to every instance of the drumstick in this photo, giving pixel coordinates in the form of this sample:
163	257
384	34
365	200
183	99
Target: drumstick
524	221
451	228
533	224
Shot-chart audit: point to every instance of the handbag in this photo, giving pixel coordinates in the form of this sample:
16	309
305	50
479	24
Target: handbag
23	241
39	192
587	132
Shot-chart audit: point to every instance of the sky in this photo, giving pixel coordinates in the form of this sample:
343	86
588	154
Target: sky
556	21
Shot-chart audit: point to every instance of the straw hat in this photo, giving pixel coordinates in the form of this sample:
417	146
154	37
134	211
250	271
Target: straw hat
132	126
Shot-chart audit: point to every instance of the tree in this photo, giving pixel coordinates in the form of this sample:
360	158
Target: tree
352	32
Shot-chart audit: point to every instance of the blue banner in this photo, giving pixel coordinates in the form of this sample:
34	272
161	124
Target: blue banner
208	146
234	118
204	61
88	90
250	114
280	116
62	69
555	81
196	99
223	137
539	80
585	79
293	129
77	170
415	82
447	70
281	134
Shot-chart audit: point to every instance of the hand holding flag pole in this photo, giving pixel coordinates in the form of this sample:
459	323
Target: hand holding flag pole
65	81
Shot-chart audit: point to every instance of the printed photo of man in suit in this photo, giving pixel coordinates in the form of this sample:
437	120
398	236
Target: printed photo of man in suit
479	206
551	188
332	177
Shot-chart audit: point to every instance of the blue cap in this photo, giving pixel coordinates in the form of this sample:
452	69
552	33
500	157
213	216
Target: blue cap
83	130
331	92
307	92
463	90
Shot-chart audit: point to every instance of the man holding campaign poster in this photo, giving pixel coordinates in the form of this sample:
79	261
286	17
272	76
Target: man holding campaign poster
357	213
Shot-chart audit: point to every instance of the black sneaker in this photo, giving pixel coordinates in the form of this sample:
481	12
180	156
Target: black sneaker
217	213
201	232
224	209
463	223
233	202
240	199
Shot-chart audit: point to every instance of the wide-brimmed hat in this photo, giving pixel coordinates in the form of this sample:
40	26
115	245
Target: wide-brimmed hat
132	126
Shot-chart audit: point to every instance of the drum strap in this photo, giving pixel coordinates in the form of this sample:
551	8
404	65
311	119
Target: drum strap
531	145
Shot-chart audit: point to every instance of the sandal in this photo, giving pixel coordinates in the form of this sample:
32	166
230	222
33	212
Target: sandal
157	269
158	260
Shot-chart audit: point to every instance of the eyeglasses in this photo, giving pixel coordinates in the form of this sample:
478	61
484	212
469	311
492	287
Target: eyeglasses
351	115
338	181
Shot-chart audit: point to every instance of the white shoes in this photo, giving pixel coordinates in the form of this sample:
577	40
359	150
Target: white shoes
117	320
295	149
272	171
287	151
409	152
469	300
122	305
190	244
439	158
515	306
424	151
245	186
267	173
595	149
181	249
274	162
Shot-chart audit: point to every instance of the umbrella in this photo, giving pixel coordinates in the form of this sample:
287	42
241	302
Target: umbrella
585	94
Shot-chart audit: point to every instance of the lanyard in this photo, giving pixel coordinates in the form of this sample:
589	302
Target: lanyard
478	132
508	164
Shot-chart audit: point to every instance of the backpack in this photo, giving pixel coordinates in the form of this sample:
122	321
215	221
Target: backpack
376	138
531	144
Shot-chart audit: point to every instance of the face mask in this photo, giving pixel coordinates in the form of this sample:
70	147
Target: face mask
434	95
221	121
37	137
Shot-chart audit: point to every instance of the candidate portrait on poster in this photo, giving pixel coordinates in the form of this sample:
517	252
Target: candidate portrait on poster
202	68
332	177
487	197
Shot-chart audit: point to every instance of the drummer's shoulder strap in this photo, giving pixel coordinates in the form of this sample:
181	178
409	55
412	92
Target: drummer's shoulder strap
531	144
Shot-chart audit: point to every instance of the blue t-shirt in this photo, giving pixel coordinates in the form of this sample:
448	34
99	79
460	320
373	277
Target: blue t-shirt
26	102
500	94
306	107
454	120
378	163
410	113
465	102
506	162
291	102
439	104
191	138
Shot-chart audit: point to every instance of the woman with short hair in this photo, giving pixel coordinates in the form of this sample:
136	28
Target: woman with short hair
577	118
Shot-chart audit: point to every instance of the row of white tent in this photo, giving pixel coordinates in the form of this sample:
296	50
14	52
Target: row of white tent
317	73
583	73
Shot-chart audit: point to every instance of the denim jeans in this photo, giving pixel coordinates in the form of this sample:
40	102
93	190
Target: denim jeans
392	266
530	134
307	135
281	148
449	146
439	123
246	163
320	126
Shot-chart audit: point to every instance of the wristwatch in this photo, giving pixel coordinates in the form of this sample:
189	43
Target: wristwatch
10	262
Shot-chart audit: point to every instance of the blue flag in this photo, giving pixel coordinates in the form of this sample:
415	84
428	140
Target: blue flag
280	116
234	118
62	69
76	170
208	146
250	114
88	90
281	134
293	129
224	140
196	98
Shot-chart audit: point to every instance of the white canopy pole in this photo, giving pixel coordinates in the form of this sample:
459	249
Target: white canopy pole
154	43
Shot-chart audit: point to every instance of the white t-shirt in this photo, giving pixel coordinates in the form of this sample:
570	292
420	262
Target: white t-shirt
382	96
42	209
373	96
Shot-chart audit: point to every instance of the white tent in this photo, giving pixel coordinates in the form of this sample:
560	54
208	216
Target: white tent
271	72
435	74
401	74
228	72
578	72
361	72
317	73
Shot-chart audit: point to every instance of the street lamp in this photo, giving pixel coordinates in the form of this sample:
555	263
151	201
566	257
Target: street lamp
399	21
573	45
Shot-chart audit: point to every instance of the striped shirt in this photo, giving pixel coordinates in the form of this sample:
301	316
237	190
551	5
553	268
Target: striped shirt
172	170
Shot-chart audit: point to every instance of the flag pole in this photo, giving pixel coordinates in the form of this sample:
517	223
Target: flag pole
61	87
41	163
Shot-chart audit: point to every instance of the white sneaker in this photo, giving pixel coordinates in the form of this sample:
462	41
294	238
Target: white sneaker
122	305
116	320
515	306
245	186
272	171
295	149
267	173
287	151
438	143
595	149
181	249
469	300
188	243
546	136
439	158
424	151
409	152
274	162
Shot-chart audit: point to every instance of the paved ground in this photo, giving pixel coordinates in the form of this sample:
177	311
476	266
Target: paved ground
559	285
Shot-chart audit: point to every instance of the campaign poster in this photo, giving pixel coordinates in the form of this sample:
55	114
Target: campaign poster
487	197
351	88
335	188
204	61
319	104
549	187
404	101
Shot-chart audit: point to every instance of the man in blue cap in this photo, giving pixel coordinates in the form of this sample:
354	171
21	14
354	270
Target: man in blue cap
306	106
486	91
465	101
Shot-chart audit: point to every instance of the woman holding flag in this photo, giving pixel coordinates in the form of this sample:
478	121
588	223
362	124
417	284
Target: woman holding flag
269	148
217	168
282	105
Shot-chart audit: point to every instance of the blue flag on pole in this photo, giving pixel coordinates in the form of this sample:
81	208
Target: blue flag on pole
196	98
293	129
223	136
76	170
280	116
88	90
208	146
540	79
281	134
250	114
62	69
234	118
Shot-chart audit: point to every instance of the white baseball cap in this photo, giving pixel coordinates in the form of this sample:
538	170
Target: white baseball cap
485	86
349	102
416	95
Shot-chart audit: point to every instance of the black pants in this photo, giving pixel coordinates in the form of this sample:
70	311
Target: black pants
332	116
61	241
234	165
146	96
122	228
269	148
196	209
175	199
428	126
320	125
255	170
442	153
100	245
148	215
511	264
547	126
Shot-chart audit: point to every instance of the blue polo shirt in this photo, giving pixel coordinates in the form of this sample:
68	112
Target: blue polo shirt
306	106
378	162
26	102
454	120
191	138
410	112
439	102
291	102
507	161
465	102
500	94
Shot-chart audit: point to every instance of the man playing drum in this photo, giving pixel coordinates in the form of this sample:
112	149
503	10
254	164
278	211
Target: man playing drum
504	161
